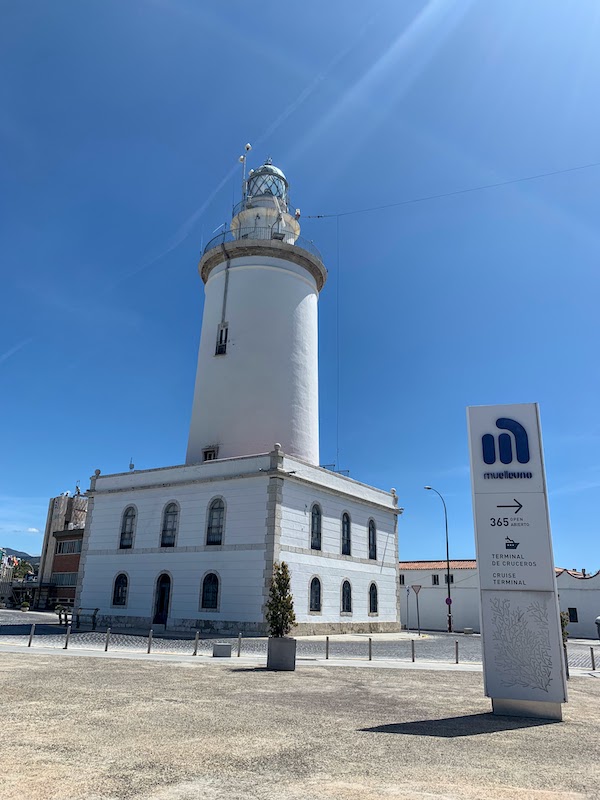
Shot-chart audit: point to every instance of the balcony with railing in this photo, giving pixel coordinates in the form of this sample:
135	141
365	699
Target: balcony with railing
275	233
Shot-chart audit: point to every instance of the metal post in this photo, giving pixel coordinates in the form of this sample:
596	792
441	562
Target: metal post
239	645
106	640
149	641
195	653
448	593
32	631
418	617
412	649
593	659
327	647
370	649
67	638
456	651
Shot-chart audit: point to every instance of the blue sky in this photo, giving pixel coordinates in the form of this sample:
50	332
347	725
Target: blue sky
120	128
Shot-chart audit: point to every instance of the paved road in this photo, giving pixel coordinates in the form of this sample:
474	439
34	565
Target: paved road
435	647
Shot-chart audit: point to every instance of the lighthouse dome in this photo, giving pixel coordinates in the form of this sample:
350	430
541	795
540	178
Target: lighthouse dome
267	180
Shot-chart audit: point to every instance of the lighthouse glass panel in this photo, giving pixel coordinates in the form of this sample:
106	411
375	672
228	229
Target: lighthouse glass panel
266	184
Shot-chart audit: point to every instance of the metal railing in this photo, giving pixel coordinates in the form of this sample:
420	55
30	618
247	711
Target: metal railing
254	234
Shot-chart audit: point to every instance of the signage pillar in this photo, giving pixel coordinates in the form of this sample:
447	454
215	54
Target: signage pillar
523	660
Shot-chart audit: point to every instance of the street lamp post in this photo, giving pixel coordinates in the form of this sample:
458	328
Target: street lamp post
449	596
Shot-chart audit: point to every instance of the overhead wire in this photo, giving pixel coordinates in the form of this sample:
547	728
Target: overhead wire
456	192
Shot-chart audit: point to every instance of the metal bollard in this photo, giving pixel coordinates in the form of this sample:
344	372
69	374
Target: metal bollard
106	640
593	659
195	653
31	632
149	641
370	649
239	645
67	638
327	643
456	651
412	649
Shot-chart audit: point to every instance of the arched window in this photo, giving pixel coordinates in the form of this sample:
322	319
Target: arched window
120	590
315	595
210	592
216	522
346	598
169	526
315	528
373	599
372	540
127	526
345	534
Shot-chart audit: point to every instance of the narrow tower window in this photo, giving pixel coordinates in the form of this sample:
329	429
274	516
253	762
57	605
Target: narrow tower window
120	590
222	336
346	598
216	522
127	527
373	604
210	592
315	595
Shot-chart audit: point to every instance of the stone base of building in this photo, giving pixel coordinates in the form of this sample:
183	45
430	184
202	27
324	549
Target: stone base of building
232	628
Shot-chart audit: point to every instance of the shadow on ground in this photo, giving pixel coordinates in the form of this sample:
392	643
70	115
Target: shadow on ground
452	727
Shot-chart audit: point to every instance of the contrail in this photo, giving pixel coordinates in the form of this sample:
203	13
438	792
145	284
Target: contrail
186	228
5	356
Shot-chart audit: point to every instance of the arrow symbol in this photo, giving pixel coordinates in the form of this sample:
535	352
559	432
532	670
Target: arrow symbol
517	508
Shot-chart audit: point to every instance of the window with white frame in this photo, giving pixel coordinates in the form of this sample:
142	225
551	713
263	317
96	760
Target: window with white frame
315	595
127	526
64	579
68	546
346	598
120	590
169	525
315	527
435	580
373	601
210	592
222	337
346	535
372	540
216	522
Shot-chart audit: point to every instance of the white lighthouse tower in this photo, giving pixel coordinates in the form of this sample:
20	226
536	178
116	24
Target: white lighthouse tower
193	546
257	376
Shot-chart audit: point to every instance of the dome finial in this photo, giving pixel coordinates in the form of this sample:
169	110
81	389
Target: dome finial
268	161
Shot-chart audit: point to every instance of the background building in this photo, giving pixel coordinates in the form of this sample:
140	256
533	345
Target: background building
578	593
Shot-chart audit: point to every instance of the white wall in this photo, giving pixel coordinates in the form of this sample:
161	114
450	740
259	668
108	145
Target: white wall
432	599
265	389
329	565
239	561
584	595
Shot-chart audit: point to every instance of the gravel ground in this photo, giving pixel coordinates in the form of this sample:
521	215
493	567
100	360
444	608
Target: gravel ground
103	729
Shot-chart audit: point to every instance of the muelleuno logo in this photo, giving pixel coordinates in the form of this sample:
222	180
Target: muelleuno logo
511	444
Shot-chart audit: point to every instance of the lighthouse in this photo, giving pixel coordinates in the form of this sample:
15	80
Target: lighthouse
257	374
193	546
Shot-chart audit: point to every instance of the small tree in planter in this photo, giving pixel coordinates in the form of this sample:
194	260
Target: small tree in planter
25	605
280	618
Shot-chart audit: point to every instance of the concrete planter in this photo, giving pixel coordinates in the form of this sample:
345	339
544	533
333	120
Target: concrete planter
281	653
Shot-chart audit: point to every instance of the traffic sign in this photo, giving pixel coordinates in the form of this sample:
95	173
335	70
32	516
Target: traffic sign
416	588
448	601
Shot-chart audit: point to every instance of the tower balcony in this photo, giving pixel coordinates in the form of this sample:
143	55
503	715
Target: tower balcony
276	241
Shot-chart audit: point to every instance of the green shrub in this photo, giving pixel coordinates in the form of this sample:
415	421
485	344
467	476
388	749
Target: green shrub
280	608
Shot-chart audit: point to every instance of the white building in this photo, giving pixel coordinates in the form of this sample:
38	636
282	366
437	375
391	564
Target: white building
578	593
193	546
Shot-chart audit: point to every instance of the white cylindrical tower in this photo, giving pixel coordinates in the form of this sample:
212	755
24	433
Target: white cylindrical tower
257	377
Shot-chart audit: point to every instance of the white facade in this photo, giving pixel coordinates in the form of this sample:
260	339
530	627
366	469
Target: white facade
578	596
268	502
257	376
